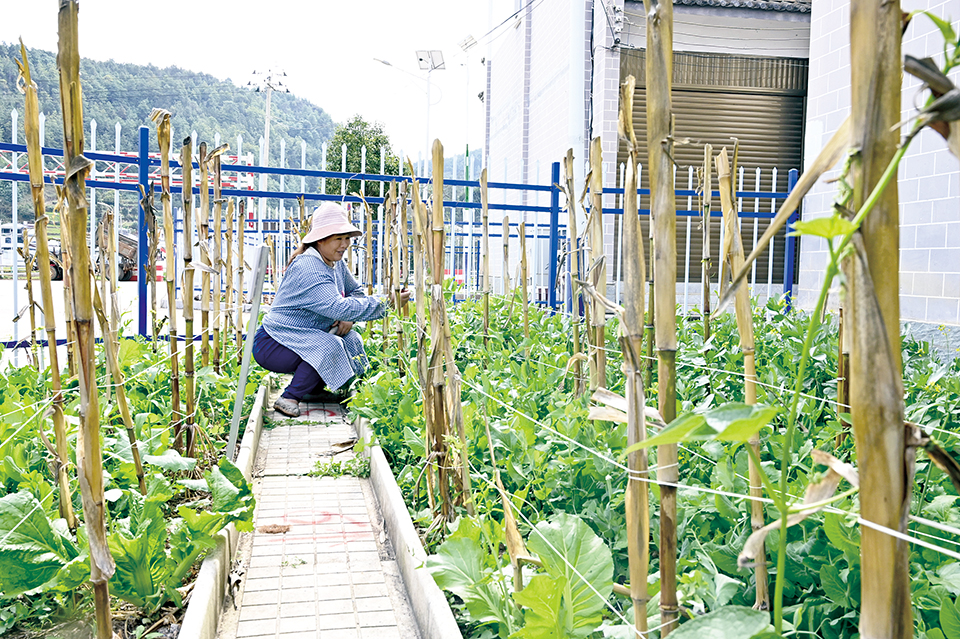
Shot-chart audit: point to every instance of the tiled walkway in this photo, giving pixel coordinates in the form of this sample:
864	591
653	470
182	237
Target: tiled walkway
317	566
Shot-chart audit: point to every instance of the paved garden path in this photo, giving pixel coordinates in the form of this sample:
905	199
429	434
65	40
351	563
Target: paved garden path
318	565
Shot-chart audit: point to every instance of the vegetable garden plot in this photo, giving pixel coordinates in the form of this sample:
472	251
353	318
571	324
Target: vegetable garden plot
564	475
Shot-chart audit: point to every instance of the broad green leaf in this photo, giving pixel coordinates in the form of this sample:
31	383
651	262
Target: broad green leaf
935	633
574	555
171	460
733	422
828	227
541	619
457	567
949	620
839	535
231	494
729	622
833	585
32	552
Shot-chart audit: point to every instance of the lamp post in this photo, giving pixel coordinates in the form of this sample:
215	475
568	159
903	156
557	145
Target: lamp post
267	82
429	61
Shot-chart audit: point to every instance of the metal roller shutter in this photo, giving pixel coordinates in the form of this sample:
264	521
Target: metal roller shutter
759	101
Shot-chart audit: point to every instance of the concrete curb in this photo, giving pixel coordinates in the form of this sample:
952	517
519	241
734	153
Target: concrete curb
430	607
203	613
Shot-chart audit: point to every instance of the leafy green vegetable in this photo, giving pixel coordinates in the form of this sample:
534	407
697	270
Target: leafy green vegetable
729	622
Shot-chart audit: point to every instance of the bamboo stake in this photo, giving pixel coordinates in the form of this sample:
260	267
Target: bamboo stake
228	327
506	255
189	359
636	498
153	242
89	456
438	306
203	234
423	374
369	246
576	272
404	257
113	366
31	127
389	212
241	226
395	257
598	268
876	387
67	287
485	251
651	322
162	118
28	261
217	257
706	263
659	70
843	375
732	253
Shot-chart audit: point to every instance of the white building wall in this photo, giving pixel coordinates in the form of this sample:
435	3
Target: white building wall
929	176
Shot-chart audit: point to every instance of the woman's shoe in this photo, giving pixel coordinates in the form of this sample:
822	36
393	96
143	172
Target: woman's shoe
287	406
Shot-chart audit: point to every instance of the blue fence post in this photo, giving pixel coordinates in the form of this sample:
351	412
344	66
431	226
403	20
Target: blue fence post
554	232
791	246
143	259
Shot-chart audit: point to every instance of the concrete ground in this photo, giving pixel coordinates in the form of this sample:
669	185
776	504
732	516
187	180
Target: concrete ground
318	564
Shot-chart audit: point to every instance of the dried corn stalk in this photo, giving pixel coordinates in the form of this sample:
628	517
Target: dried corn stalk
31	126
575	271
659	69
598	270
732	254
637	498
162	119
89	456
189	267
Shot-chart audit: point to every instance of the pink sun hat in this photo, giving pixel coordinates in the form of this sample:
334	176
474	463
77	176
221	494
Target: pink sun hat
330	219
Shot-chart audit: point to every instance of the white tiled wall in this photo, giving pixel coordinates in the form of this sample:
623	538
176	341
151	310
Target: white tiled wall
929	176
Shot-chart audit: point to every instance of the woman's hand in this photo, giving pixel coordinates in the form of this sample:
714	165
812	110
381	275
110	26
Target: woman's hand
343	327
404	298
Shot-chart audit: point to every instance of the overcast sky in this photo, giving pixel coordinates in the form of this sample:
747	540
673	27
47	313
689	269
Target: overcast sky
327	48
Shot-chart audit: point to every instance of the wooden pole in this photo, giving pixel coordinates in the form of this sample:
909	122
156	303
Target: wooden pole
228	327
189	359
576	273
423	367
637	497
876	388
89	456
203	234
598	268
241	227
732	253
217	257
162	119
28	262
706	263
153	243
397	238
659	73
369	246
31	127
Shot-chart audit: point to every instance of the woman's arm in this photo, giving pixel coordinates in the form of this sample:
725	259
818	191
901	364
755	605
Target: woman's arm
318	293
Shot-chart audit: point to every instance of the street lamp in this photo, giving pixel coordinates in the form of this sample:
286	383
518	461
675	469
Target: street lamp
429	61
267	82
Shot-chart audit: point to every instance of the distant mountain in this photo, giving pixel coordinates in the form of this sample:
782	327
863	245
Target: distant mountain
127	93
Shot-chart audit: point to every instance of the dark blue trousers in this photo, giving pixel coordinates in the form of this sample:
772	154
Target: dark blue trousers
276	357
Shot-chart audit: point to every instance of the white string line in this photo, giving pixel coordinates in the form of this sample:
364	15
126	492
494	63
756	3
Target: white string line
907	538
935	524
570	566
633	475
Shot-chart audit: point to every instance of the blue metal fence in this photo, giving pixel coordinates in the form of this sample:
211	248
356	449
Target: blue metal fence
546	224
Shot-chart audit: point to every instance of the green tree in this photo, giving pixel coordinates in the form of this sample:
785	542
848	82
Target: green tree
358	133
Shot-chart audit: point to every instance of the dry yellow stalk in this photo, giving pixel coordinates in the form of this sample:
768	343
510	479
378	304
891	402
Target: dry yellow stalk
89	456
31	126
